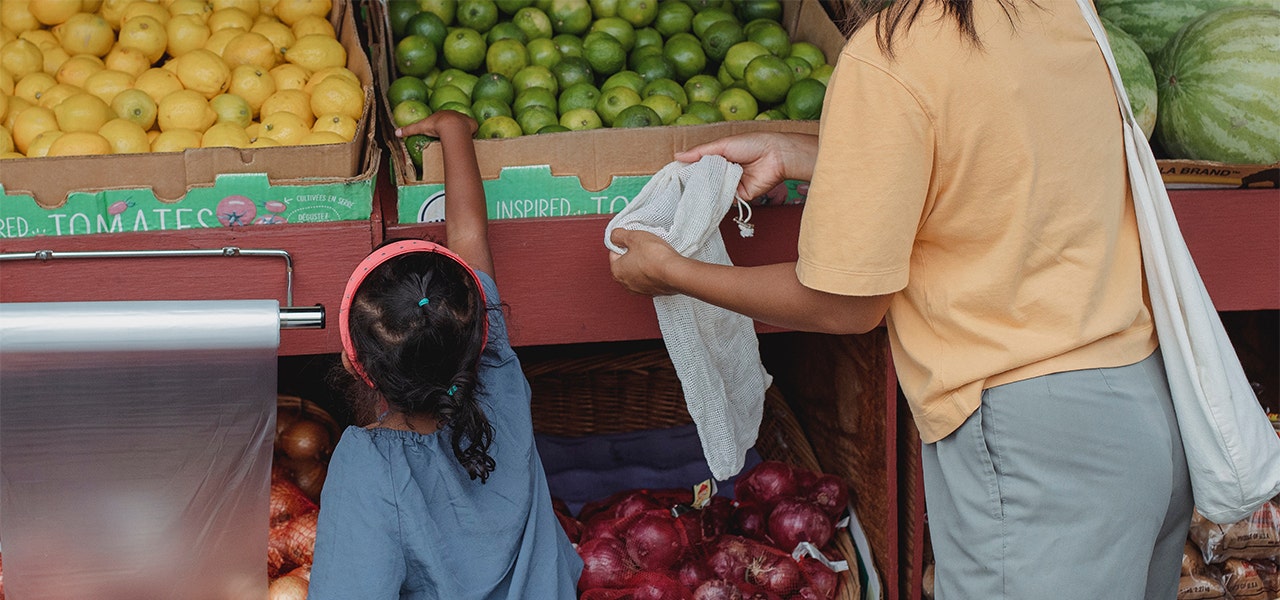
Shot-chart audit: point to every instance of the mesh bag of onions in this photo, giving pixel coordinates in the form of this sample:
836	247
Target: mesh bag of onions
649	545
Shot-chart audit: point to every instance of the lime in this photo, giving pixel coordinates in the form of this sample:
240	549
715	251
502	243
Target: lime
772	36
604	53
759	9
488	108
430	78
706	18
604	8
641	52
773	114
701	5
666	87
804	100
446	94
647	36
739	55
768	78
456	78
754	24
511	7
534	118
685	54
415	55
578	95
498	127
580	119
706	111
614	101
666	107
414	144
535	76
479	15
543	52
465	49
457	107
688	119
535	24
570	16
637	116
721	36
737	104
822	73
571	70
628	79
702	88
409	111
810	53
568	44
493	86
655	67
616	27
407	88
554	128
506	56
638	12
534	97
723	76
428	25
799	67
399	12
505	30
445	9
673	18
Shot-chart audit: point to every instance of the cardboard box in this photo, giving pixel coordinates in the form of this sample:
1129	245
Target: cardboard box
581	172
1191	174
75	195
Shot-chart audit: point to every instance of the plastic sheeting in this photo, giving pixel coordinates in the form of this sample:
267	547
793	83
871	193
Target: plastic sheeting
135	448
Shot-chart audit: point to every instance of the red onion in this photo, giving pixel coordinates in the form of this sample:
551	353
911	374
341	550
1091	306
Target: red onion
830	494
634	503
606	594
752	519
600	526
821	578
728	557
766	483
751	592
793	521
807	593
656	586
778	574
692	573
717	589
655	541
604	564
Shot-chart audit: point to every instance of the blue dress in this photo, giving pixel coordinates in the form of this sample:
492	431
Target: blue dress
400	518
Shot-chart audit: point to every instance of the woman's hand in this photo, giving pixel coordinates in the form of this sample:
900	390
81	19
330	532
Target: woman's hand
766	158
643	268
440	124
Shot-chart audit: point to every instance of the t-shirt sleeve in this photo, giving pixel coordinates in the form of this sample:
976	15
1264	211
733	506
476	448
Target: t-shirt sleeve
498	347
870	184
358	551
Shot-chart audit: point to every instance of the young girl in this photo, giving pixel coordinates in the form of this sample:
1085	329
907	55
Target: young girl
444	495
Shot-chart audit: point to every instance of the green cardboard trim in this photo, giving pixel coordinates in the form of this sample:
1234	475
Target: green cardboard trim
235	199
526	192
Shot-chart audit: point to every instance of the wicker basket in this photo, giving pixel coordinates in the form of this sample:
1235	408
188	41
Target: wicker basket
301	407
617	393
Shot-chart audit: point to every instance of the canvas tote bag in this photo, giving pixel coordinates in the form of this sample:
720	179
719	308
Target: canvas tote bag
1232	450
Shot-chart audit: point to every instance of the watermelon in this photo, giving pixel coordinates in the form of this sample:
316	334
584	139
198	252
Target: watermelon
1135	71
1218	83
1153	22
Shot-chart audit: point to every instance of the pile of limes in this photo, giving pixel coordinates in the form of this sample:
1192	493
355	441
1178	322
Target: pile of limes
534	66
84	77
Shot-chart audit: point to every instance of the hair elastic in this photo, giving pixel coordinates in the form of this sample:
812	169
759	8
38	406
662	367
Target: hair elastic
424	302
371	262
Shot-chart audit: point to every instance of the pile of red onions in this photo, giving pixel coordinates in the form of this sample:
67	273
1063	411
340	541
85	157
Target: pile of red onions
635	547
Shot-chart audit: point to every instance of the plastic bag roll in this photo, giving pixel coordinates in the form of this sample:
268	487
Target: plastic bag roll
135	448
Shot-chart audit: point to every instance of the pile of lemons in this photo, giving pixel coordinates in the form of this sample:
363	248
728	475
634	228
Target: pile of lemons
85	77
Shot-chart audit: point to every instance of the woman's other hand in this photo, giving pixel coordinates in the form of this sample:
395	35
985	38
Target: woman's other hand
766	158
440	124
643	268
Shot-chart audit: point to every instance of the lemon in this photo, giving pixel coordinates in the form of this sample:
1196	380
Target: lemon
42	38
292	11
20	57
280	35
78	68
185	33
79	143
56	94
113	11
268	7
84	33
284	127
176	140
16	105
224	134
263	142
297	102
90	6
253	84
136	106
125	136
218	40
232	109
144	8
290	77
249	7
203	71
342	125
14	154
327	72
157	83
230	18
7	36
4	106
30	123
146	34
313	25
15	15
39	147
152	134
53	59
315	52
336	95
105	84
6	141
185	109
316	138
129	60
6	82
199	8
250	48
82	112
53	12
33	86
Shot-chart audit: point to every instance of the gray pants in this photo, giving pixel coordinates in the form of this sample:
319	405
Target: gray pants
1071	485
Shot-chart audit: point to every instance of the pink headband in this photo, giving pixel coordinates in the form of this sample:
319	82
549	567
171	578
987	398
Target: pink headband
371	262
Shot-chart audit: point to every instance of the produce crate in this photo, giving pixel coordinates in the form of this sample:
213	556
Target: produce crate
619	392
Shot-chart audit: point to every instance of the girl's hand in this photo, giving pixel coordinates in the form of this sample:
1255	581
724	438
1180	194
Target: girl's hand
440	124
643	268
766	158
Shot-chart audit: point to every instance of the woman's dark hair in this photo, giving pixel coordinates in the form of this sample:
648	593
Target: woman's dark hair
417	327
892	15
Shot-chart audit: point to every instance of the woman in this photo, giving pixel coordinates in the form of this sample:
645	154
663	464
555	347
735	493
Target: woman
969	189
